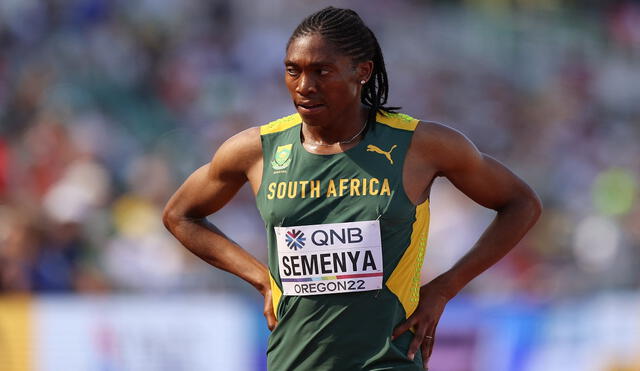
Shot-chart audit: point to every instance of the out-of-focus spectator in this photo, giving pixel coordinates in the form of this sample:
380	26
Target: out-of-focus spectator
106	106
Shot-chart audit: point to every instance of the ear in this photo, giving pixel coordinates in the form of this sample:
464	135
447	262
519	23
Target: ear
364	70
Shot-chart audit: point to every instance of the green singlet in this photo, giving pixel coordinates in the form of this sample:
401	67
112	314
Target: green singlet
331	318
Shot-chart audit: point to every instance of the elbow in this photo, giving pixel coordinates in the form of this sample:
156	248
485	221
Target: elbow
531	206
175	218
170	218
526	206
535	207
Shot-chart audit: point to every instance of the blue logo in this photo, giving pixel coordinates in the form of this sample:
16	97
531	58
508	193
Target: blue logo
295	239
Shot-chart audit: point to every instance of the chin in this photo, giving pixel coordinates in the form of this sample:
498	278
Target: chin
313	119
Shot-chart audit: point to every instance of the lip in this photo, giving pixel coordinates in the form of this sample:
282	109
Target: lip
309	108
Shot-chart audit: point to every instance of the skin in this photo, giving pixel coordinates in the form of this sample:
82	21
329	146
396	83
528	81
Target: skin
316	74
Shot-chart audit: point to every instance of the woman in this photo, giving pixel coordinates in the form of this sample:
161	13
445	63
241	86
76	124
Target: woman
343	187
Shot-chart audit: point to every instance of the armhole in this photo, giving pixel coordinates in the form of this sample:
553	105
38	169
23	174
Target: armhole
406	155
276	295
273	127
262	172
404	281
403	122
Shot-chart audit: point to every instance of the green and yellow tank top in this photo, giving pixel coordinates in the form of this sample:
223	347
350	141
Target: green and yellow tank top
345	248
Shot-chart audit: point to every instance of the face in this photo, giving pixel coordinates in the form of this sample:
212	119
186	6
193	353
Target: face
323	83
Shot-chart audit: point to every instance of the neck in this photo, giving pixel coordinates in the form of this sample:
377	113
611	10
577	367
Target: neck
345	127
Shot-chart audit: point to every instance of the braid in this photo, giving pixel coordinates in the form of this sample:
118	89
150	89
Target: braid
345	29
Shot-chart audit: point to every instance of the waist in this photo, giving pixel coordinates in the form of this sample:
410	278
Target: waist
335	332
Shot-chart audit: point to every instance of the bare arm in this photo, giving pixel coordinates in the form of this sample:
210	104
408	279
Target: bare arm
492	185
446	152
206	191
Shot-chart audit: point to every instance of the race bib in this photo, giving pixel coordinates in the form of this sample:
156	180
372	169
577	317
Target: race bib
330	258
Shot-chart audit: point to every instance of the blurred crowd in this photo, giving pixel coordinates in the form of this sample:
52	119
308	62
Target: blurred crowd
107	106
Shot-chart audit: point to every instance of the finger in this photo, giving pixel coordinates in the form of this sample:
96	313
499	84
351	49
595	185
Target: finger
430	341
426	347
270	317
402	328
430	348
415	343
271	322
268	312
424	351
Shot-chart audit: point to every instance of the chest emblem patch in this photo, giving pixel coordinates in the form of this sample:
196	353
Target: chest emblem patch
282	159
376	149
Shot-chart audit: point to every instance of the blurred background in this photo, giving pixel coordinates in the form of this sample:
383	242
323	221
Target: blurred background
107	106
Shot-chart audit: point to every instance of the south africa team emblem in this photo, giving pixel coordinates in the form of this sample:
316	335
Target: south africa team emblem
282	159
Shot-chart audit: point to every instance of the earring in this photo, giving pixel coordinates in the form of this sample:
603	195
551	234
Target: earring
363	82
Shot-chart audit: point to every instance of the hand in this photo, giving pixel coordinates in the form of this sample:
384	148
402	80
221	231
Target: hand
268	310
424	321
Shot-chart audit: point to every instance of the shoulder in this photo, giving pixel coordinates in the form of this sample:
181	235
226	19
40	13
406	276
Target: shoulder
430	133
444	147
239	153
434	133
245	142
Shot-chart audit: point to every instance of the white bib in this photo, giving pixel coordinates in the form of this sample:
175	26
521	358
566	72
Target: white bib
330	258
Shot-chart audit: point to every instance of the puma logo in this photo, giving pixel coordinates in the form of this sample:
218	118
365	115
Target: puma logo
387	154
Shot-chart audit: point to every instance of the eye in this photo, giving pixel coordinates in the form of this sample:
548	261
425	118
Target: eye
292	71
323	71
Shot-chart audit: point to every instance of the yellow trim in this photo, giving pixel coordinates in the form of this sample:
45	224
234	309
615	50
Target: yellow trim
15	334
281	124
276	294
397	120
404	282
394	120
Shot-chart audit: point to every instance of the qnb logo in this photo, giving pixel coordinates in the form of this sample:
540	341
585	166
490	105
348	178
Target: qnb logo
295	239
332	236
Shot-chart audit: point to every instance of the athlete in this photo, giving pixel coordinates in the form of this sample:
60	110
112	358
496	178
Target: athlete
343	188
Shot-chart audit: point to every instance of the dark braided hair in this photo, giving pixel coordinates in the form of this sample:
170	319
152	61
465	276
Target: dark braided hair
347	32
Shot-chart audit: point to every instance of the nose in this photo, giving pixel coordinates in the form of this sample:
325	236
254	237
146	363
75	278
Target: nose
306	85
